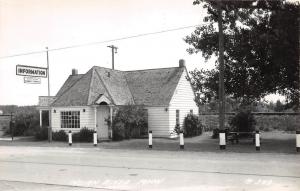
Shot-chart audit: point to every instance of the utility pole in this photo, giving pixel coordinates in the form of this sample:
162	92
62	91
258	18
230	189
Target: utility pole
221	79
50	124
113	51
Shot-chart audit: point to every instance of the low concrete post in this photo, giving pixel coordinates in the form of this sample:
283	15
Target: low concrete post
95	138
298	141
70	138
181	140
150	139
41	122
257	140
222	138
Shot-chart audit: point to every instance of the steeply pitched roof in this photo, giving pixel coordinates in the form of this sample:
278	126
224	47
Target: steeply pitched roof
116	85
77	94
152	87
68	83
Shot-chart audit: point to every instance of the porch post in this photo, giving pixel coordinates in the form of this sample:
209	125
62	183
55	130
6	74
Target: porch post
95	112
50	126
41	122
111	113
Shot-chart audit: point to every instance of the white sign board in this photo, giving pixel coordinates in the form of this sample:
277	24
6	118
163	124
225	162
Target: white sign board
32	80
33	71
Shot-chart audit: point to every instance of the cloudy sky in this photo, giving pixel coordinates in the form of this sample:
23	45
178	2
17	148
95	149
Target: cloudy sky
32	25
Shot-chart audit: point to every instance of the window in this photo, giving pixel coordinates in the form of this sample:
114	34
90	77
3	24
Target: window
191	112
177	117
70	119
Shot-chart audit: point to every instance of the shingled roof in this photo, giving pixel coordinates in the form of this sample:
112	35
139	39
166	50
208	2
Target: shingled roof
153	87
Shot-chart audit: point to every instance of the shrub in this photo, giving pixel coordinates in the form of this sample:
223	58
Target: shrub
59	135
84	135
41	133
243	122
26	120
215	134
192	126
129	122
118	131
177	129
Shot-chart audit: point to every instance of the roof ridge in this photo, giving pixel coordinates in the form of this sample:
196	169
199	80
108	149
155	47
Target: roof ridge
105	87
149	69
107	68
68	88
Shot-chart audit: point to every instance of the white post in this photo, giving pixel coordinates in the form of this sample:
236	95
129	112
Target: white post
111	118
95	112
257	141
95	138
70	138
222	138
150	139
298	141
41	122
181	140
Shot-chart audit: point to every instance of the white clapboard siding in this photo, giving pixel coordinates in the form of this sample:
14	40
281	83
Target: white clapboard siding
158	121
87	118
183	100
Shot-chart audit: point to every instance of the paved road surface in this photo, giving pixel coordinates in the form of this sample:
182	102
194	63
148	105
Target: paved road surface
46	168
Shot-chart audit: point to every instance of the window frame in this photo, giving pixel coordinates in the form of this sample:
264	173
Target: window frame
177	117
70	119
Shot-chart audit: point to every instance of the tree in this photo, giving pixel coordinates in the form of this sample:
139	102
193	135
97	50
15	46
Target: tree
261	50
279	107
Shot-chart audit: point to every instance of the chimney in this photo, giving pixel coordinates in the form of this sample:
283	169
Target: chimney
181	63
74	72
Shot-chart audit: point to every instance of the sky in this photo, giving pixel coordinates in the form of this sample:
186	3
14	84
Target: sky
33	25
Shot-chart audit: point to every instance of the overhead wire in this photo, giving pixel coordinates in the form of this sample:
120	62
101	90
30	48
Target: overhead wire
98	42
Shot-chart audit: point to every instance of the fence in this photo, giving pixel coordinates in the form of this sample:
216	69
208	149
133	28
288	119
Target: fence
265	121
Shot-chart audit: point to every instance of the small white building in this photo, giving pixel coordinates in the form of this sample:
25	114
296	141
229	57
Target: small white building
86	100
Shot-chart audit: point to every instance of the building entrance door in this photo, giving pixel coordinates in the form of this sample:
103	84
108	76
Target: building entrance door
102	128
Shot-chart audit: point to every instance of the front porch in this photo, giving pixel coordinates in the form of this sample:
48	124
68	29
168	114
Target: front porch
96	117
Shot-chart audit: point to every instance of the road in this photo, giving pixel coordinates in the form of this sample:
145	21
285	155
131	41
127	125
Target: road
55	168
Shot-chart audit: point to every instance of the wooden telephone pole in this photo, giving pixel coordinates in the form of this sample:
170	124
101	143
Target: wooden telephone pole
221	79
113	51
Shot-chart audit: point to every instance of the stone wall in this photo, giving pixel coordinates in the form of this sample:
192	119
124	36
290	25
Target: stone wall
268	122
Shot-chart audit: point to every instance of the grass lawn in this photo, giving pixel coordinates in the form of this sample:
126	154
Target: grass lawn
271	142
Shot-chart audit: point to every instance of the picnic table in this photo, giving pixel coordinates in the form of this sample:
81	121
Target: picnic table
236	135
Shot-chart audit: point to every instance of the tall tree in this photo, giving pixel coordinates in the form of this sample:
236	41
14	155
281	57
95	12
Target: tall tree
261	49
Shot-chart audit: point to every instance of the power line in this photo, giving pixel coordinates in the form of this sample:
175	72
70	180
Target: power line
98	42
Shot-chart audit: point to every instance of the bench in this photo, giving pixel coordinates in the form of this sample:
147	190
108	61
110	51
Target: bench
234	136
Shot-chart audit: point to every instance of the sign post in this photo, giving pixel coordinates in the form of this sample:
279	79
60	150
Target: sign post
50	124
33	75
